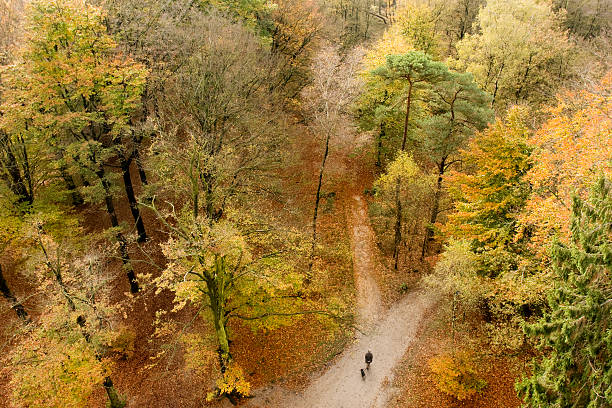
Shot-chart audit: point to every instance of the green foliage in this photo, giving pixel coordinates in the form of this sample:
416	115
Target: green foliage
457	108
456	274
413	67
518	51
575	334
456	375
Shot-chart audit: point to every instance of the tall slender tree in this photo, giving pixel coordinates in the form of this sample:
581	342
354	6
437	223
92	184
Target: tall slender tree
412	72
491	190
458	108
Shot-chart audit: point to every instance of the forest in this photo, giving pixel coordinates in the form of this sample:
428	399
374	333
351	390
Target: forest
216	203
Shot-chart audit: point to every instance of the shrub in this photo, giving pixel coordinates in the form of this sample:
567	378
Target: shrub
455	375
232	385
121	344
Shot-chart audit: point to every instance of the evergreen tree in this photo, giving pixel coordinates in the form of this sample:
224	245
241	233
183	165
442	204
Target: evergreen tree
458	107
578	370
411	72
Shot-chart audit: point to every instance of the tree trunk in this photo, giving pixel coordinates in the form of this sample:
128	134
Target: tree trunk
77	199
398	202
129	191
317	200
435	209
114	401
408	102
123	250
216	298
398	225
141	170
113	397
15	305
379	147
17	183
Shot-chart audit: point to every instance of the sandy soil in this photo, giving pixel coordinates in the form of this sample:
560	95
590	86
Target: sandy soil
387	334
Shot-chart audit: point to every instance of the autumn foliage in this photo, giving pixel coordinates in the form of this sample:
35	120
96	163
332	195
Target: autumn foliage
456	375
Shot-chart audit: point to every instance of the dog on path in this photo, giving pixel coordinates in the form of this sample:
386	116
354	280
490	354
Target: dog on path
362	373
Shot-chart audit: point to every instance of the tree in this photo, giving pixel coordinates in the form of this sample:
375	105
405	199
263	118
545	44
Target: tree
335	86
455	19
228	274
11	223
61	361
458	108
11	14
518	52
492	190
10	297
571	150
586	18
412	72
417	24
214	142
296	25
576	369
81	97
16	156
414	185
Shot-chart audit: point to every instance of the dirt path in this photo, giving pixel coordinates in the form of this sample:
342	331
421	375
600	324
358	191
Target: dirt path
388	334
362	242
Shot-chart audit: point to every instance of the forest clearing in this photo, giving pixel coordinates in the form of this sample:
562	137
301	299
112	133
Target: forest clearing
305	203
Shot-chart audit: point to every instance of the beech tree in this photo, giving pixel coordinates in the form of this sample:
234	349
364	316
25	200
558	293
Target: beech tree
576	369
11	223
225	273
571	150
81	97
214	142
61	361
492	190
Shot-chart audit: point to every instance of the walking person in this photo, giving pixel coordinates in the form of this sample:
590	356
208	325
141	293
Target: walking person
368	359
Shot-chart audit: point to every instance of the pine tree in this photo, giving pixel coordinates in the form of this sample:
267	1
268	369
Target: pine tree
458	107
578	370
412	71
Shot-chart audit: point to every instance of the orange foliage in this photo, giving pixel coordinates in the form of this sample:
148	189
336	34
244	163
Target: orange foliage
456	376
572	149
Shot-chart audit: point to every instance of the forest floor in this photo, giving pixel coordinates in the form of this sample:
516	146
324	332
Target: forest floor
386	333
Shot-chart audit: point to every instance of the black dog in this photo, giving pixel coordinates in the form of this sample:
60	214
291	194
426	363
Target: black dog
362	374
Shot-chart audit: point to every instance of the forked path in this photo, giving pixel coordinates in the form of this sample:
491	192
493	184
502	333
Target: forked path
388	334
